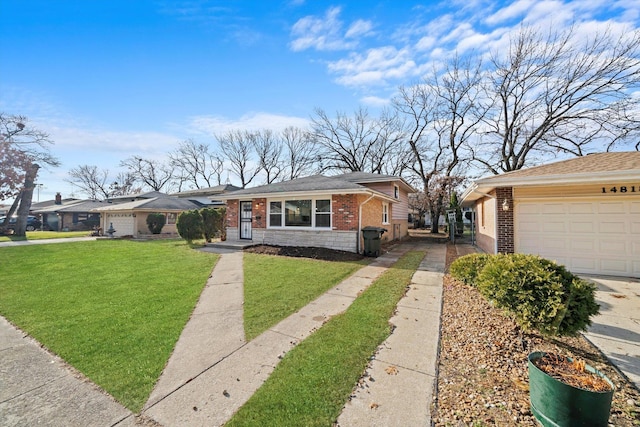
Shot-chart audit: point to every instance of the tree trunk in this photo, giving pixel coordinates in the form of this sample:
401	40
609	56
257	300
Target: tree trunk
435	220
25	199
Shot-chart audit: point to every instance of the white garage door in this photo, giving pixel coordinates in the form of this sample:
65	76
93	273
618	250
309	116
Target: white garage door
587	236
122	223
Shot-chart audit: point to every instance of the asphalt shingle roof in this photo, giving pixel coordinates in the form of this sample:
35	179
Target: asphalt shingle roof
592	163
159	203
308	183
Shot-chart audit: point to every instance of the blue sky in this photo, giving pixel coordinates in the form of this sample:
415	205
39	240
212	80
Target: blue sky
112	79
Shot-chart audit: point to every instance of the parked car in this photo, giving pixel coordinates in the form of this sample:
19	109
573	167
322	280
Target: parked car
33	223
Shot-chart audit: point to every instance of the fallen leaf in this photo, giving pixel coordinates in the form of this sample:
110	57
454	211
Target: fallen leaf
392	370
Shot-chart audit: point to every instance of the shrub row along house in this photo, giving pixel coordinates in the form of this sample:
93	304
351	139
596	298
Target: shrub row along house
320	211
583	213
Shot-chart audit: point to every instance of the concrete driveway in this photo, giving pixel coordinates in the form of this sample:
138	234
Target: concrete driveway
616	330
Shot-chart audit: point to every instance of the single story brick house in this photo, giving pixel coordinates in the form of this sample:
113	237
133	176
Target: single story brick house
319	211
129	218
583	213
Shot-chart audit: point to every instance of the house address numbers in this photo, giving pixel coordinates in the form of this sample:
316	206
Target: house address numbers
621	189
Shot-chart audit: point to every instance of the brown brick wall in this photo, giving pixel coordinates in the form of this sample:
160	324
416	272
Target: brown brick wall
232	213
504	220
345	212
259	212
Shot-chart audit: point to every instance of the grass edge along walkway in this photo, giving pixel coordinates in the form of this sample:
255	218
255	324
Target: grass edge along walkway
315	379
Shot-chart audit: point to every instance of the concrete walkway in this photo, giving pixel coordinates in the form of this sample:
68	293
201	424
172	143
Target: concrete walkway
219	390
398	385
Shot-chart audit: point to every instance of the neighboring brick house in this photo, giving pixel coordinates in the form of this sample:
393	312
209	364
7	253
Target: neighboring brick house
319	211
67	214
583	213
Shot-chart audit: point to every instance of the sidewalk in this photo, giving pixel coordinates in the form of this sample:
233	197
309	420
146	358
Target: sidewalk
38	388
45	241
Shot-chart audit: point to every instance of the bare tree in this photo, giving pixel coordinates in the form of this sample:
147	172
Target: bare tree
560	93
442	116
237	147
125	183
196	165
268	148
91	181
301	151
22	150
152	173
358	142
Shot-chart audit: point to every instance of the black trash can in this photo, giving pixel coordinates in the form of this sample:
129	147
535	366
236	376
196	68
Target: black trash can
371	236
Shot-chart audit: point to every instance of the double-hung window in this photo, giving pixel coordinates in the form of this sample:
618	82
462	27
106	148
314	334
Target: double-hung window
323	213
275	214
385	213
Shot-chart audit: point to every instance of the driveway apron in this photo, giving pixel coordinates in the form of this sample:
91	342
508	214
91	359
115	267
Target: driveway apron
616	330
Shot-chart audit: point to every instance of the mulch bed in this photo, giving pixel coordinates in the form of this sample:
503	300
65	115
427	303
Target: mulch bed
482	372
303	252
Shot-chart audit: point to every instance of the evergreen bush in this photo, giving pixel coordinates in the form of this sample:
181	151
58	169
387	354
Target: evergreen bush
190	225
538	293
210	222
155	222
466	268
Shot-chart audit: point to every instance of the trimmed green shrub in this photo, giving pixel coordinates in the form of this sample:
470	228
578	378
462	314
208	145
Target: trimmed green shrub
190	225
466	268
155	222
210	222
538	293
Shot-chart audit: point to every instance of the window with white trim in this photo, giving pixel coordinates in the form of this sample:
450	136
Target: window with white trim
275	214
171	217
323	213
396	191
305	213
385	213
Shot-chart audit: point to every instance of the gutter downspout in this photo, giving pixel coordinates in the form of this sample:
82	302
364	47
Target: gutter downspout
360	219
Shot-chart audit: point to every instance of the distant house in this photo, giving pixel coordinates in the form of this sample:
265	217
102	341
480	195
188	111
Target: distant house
68	214
207	196
128	214
320	211
583	213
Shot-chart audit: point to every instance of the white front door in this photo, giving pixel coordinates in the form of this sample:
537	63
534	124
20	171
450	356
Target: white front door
245	220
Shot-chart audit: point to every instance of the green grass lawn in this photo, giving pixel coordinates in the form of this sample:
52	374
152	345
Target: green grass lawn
112	309
38	235
314	380
276	287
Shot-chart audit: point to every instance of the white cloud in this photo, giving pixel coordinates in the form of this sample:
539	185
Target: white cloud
212	125
326	33
359	28
426	43
375	101
512	11
374	68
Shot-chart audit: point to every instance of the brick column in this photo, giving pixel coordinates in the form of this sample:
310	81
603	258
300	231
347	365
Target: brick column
504	232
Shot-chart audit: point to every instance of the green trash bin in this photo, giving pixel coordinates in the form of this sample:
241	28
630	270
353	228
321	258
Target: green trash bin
372	239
